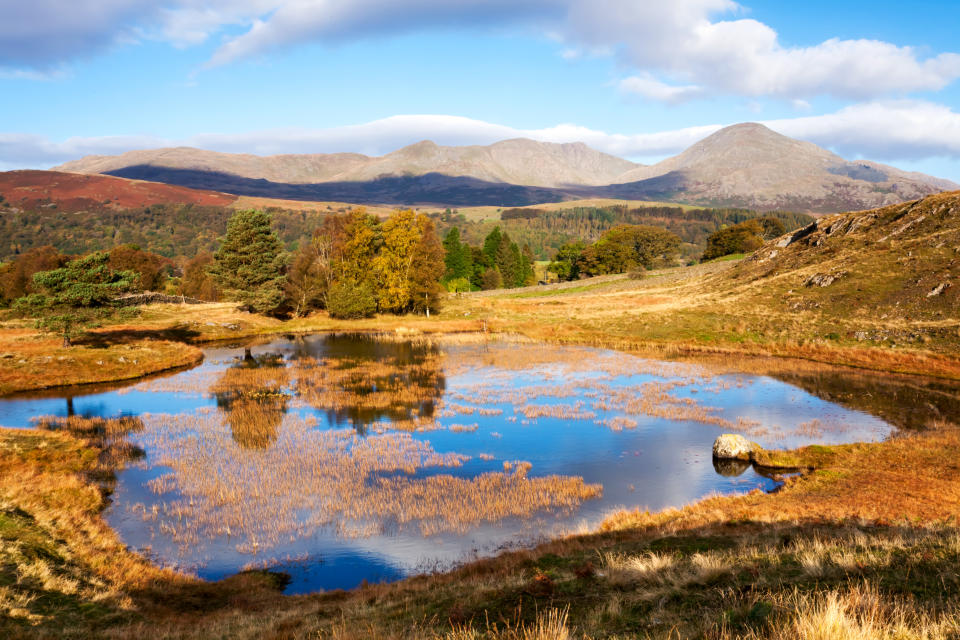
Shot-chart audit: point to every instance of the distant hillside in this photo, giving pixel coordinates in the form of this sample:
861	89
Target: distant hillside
514	162
744	166
751	166
29	190
79	213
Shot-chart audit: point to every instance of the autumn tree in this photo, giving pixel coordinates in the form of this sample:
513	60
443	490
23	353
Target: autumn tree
353	242
307	277
197	281
249	265
627	246
16	277
76	296
491	280
401	233
152	270
426	269
652	246
745	237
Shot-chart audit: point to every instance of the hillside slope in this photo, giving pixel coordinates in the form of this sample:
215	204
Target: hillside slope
874	289
517	162
30	190
899	264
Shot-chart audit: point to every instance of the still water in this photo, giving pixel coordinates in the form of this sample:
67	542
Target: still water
343	458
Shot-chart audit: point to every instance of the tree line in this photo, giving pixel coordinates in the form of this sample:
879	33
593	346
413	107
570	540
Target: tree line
546	231
498	263
353	266
622	249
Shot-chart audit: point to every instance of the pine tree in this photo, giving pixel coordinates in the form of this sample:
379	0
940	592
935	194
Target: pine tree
508	261
75	296
458	258
490	246
249	265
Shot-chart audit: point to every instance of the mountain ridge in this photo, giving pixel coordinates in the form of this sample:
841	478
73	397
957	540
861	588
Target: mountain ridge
744	165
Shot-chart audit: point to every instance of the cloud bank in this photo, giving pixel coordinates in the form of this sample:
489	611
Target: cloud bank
890	131
677	50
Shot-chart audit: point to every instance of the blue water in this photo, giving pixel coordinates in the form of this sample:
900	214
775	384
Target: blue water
649	462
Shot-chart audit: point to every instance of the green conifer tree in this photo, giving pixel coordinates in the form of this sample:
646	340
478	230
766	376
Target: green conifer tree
249	265
75	296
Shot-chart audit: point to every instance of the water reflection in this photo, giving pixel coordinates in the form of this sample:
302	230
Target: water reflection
252	396
359	380
730	468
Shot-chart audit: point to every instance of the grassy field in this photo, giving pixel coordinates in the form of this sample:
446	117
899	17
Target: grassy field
493	213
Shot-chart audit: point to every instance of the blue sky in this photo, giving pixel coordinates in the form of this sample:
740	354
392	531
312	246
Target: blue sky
643	80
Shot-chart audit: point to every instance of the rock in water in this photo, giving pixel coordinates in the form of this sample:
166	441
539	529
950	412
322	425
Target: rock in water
731	446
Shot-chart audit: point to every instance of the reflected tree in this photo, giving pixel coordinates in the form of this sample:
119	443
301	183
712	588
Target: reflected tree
252	396
360	380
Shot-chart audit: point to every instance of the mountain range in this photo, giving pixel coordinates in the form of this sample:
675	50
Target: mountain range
746	165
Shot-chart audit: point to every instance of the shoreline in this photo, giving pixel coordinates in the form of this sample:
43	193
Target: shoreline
183	354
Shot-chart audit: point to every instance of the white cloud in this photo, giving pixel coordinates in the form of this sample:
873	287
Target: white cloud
675	50
649	87
891	131
679	46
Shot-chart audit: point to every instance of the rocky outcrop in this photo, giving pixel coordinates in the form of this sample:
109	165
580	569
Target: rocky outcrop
822	279
938	290
732	446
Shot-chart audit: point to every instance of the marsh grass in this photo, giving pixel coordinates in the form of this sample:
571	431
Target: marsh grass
30	362
310	479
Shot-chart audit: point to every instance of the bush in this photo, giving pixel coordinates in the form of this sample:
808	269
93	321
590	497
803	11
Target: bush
348	300
458	285
491	280
637	274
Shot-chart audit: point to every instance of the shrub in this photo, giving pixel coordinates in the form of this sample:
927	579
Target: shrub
348	300
458	285
492	280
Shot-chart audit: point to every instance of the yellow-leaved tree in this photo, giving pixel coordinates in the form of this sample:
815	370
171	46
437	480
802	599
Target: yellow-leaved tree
391	267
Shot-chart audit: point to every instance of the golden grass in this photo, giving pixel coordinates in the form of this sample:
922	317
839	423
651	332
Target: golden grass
29	361
310	479
860	612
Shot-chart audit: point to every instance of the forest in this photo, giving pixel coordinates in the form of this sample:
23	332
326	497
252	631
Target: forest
182	232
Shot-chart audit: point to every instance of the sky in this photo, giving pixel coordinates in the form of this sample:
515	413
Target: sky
641	79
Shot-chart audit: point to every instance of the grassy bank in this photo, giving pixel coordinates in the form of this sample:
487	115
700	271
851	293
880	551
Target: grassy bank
863	546
29	361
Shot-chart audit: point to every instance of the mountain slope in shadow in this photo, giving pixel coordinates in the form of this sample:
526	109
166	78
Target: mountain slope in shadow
431	188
